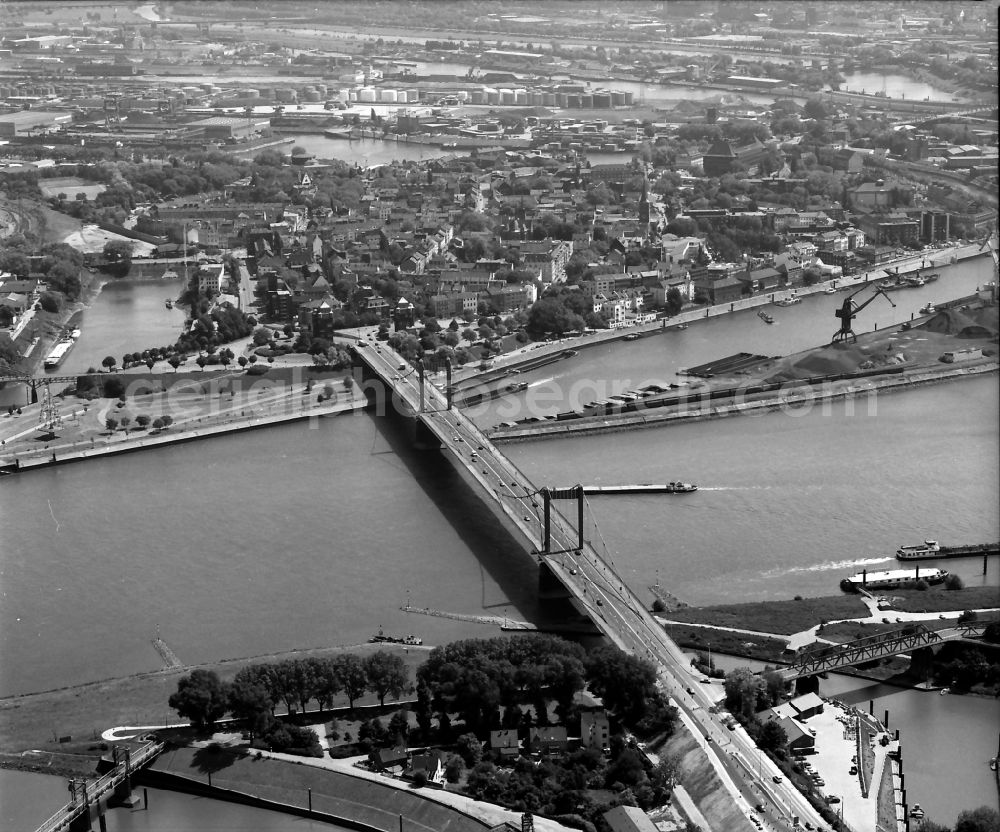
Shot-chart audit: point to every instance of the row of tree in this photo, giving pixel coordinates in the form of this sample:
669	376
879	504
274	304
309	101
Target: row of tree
256	690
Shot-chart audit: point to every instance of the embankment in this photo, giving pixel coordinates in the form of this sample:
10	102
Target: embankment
796	398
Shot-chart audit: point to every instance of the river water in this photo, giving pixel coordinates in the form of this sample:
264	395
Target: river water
26	799
320	533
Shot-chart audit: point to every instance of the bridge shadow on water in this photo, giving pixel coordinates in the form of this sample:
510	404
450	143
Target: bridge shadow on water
496	545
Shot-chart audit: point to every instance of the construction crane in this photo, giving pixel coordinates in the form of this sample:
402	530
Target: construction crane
849	310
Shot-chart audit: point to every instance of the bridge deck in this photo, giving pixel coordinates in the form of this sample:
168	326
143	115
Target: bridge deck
597	589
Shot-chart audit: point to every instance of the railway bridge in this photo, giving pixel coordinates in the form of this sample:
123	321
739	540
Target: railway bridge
826	658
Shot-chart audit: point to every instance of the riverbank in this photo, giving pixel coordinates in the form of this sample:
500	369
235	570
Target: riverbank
770	631
901	356
58	731
692	315
199	406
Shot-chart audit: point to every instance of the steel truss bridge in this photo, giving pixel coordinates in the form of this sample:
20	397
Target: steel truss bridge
827	658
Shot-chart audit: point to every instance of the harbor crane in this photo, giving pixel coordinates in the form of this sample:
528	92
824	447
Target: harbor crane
848	312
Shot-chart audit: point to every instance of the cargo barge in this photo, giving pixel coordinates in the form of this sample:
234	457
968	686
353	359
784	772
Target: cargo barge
61	350
930	549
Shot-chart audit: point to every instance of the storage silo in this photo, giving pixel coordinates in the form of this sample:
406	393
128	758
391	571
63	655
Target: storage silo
412	96
492	96
520	96
402	97
462	95
586	100
617	98
536	97
366	94
477	97
550	99
573	101
602	100
388	96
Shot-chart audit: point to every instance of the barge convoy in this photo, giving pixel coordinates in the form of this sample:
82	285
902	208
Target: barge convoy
931	549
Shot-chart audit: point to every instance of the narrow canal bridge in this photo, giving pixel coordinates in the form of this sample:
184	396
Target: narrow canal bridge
89	799
826	658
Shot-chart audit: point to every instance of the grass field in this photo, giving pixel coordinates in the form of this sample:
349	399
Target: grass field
779	617
83	712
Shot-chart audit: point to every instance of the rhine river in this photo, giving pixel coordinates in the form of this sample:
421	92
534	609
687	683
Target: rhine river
306	536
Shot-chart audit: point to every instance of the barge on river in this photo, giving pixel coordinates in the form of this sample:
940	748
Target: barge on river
930	549
892	579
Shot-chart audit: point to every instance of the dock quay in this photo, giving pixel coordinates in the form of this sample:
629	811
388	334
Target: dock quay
81	450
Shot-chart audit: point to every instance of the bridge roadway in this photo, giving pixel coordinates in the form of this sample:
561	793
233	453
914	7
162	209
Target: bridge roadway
596	588
100	790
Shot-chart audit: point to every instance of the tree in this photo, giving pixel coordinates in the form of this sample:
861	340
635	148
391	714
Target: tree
142	420
174	361
983	819
111	423
386	674
352	675
118	256
201	361
249	702
201	697
773	737
625	683
674	300
470	749
109	361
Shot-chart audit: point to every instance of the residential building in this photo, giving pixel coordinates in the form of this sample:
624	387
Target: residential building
505	743
628	819
595	730
548	738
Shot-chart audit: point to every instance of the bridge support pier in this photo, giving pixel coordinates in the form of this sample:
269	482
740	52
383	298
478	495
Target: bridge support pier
806	684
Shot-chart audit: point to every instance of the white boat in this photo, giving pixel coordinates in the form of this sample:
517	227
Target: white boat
892	579
829	290
791	301
927	309
916	811
927	549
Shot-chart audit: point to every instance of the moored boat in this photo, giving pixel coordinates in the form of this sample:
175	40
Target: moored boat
790	301
632	336
169	303
916	811
58	353
928	309
767	319
892	579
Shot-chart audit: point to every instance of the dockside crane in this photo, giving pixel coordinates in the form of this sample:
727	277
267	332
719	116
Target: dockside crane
848	312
